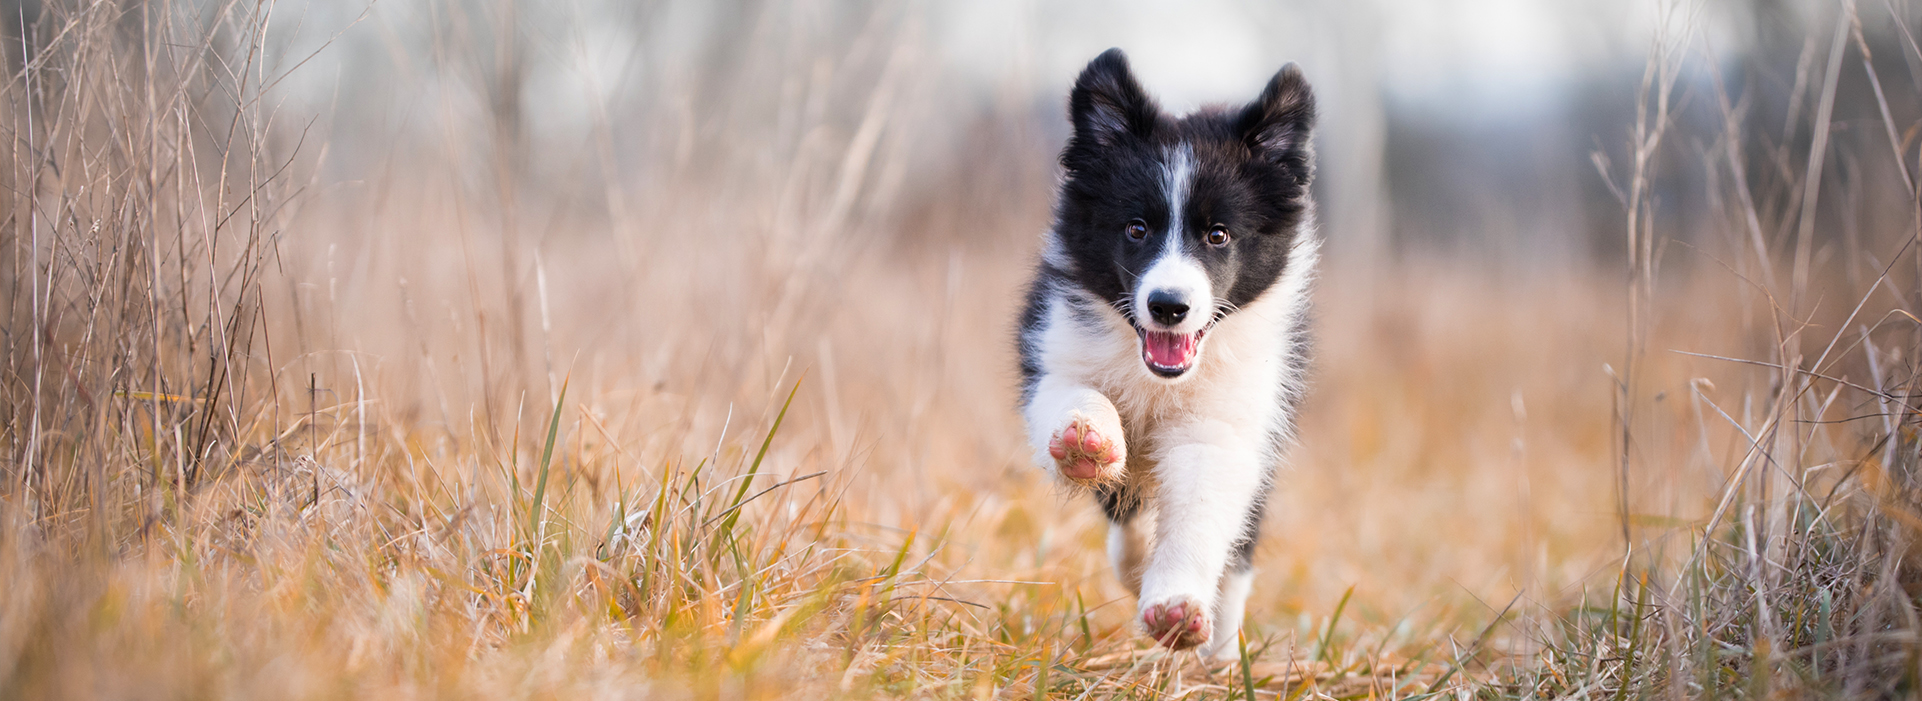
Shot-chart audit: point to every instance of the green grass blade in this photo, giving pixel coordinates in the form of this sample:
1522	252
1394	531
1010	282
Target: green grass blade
1634	640
539	507
1041	674
1248	664
754	468
1328	636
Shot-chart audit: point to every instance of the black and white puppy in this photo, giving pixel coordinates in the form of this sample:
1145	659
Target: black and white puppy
1164	337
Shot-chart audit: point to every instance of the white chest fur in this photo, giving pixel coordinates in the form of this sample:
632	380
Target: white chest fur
1246	381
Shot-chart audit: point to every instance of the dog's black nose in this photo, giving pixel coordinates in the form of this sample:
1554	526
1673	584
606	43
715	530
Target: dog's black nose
1166	307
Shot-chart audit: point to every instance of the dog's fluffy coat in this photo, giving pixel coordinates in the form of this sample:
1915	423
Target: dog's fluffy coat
1162	345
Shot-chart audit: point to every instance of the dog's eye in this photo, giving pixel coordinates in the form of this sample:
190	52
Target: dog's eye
1137	229
1218	236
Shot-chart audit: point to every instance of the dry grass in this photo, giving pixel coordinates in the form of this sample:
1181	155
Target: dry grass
485	420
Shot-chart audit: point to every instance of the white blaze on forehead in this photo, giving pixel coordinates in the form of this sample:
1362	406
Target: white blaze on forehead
1177	172
1173	269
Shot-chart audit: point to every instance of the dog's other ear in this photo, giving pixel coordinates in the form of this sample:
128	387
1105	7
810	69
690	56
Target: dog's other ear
1276	126
1107	104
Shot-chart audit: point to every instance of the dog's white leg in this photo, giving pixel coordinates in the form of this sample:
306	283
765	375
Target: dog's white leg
1204	493
1235	586
1075	432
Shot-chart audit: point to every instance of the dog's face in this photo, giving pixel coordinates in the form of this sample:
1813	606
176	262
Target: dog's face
1177	222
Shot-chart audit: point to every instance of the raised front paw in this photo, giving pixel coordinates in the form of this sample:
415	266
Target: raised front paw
1177	622
1085	454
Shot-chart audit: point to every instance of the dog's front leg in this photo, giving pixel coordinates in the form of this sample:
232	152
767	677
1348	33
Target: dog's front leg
1205	489
1075	432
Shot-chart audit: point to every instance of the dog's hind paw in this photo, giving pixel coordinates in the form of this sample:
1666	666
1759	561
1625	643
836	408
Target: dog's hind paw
1085	454
1178	622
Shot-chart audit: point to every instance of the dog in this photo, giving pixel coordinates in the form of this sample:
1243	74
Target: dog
1164	338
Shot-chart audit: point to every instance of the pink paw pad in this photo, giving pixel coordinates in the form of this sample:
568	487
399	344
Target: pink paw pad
1177	625
1083	454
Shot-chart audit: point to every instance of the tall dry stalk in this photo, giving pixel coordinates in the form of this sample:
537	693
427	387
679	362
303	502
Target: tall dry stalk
146	183
1798	579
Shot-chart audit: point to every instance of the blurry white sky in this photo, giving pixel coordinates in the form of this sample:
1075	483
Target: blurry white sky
1486	67
1448	54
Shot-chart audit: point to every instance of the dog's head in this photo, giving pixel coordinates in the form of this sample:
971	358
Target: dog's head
1177	222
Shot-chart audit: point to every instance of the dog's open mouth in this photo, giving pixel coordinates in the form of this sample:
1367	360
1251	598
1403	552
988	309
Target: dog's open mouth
1170	354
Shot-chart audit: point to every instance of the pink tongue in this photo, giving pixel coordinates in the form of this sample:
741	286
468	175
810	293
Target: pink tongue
1170	350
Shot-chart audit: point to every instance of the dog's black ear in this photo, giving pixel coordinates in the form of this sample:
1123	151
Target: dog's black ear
1107	104
1276	126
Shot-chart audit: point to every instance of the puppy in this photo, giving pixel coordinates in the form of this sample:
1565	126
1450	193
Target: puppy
1163	342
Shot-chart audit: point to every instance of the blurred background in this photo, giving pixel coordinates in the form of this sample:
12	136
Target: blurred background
667	199
1460	128
673	211
682	203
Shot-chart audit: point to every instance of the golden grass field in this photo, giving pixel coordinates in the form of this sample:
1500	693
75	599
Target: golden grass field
453	428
